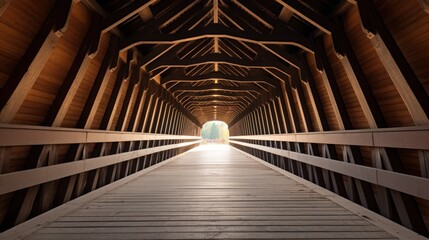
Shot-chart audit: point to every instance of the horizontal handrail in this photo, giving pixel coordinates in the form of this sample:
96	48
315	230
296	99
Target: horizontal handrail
393	180
10	182
23	135
407	137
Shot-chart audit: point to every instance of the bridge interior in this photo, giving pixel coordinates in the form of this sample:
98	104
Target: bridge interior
211	192
334	92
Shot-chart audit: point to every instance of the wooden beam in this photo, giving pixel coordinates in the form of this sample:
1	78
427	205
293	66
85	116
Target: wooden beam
331	86
125	13
73	78
358	80
216	39
392	138
381	157
243	49
156	53
162	114
137	111
216	87
243	19
125	107
392	180
404	78
86	118
206	103
125	110
244	95
351	154
106	122
255	13
328	150
19	84
42	155
252	78
98	87
411	91
218	30
314	96
25	74
113	103
314	18
282	54
214	101
189	20
23	179
212	59
176	8
46	155
205	98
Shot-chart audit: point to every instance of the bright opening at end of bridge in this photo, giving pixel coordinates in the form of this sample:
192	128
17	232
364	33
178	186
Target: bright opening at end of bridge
215	132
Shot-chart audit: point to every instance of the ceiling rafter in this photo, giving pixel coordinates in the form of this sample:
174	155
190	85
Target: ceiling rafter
215	103
241	96
221	100
229	51
260	62
190	47
215	87
124	14
244	19
217	30
237	51
251	78
226	19
225	70
252	11
174	10
188	21
312	17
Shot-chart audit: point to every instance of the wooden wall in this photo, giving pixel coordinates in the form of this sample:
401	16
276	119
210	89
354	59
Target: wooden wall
408	24
21	25
21	28
28	18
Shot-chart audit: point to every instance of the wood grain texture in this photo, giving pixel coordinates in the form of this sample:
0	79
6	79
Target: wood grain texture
329	111
42	94
388	98
212	192
408	23
17	34
79	101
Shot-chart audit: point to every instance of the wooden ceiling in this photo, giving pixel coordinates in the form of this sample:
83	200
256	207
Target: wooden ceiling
218	57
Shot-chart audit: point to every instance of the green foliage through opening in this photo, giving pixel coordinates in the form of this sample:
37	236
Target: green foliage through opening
215	130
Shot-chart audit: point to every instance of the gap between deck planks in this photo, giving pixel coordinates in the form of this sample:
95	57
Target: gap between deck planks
211	192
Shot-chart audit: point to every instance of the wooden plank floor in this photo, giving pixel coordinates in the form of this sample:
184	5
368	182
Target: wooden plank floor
212	192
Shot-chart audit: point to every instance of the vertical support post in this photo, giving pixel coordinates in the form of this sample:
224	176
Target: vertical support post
13	94
414	96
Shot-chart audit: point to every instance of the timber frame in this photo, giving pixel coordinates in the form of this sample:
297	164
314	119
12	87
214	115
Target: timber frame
333	91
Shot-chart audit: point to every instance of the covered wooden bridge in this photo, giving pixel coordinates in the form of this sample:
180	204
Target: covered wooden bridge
102	104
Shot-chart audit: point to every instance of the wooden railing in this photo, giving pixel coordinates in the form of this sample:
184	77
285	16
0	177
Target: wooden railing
21	135
405	138
18	135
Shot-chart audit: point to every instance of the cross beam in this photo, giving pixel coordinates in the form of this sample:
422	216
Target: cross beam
251	78
213	59
284	37
218	93
214	87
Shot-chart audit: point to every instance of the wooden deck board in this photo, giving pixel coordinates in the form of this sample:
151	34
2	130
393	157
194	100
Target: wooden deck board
211	193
